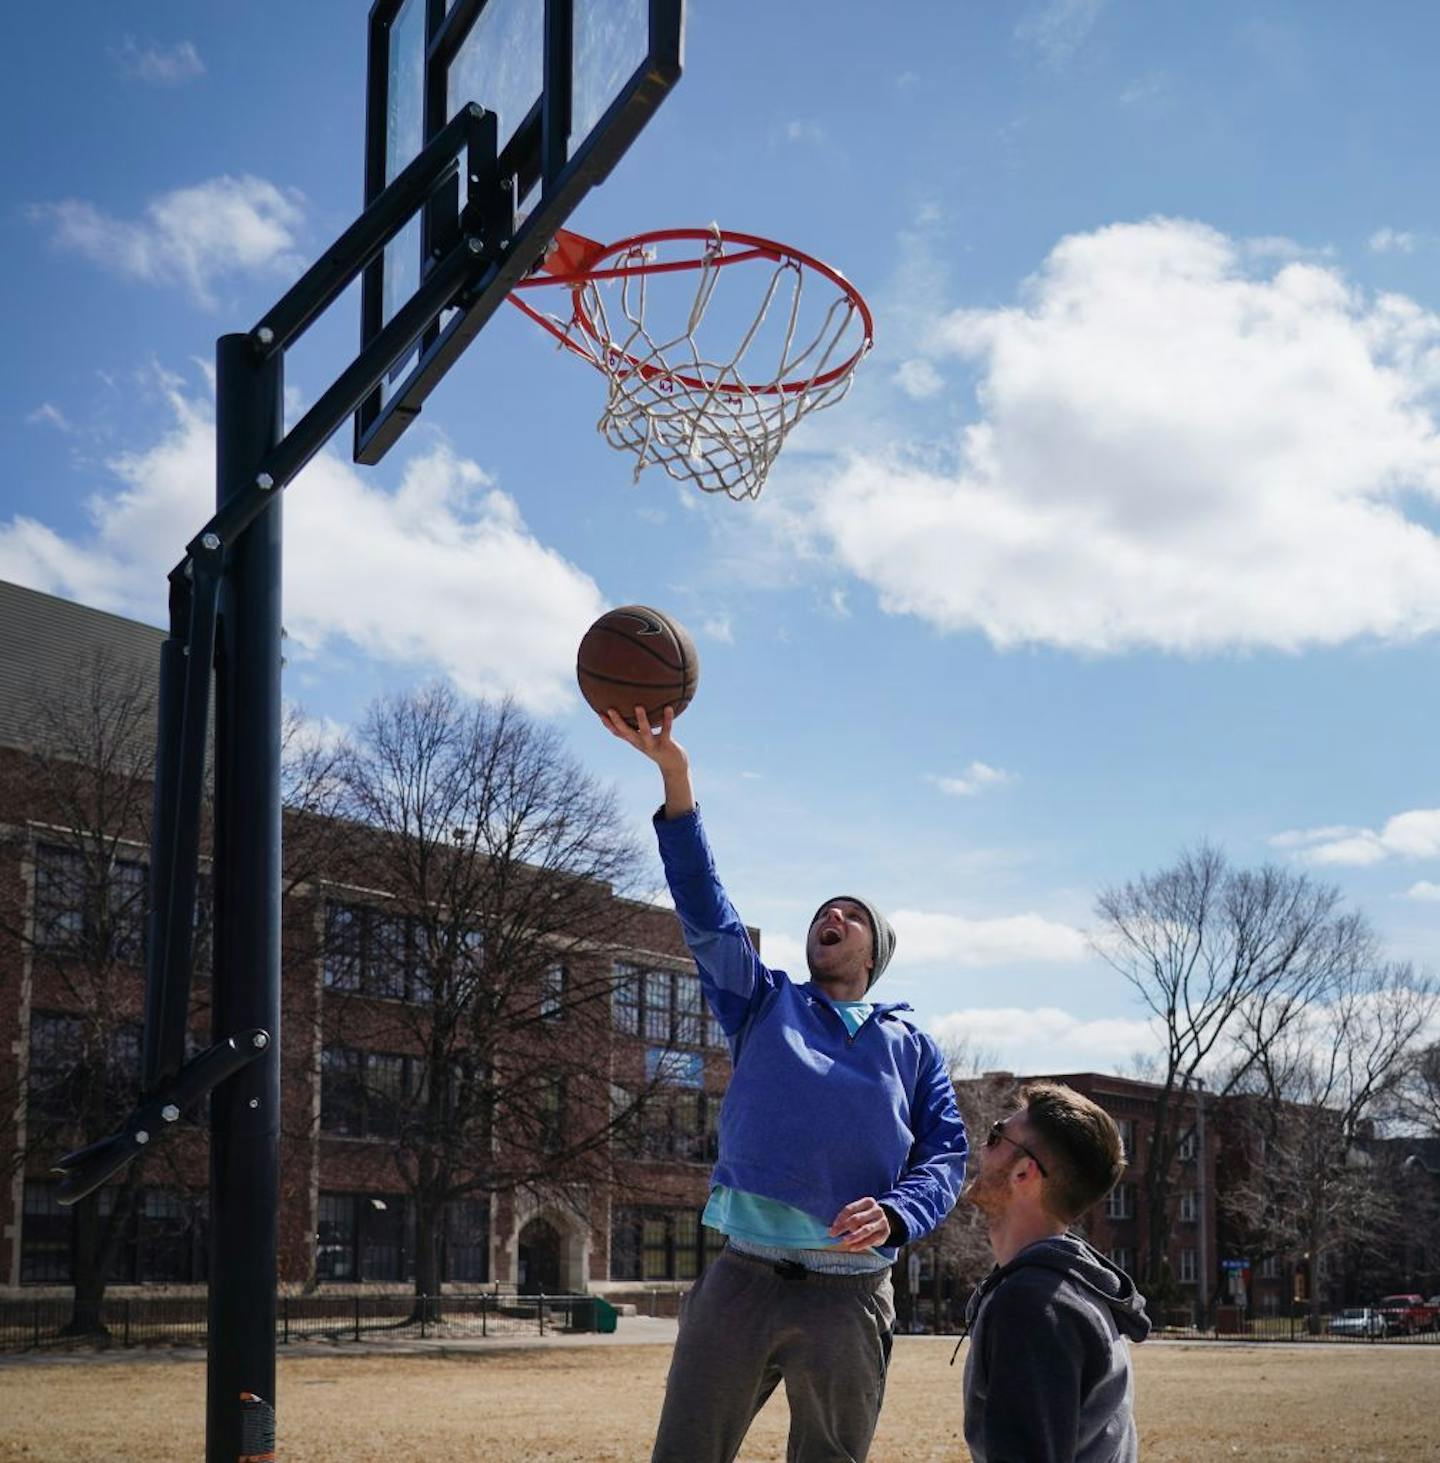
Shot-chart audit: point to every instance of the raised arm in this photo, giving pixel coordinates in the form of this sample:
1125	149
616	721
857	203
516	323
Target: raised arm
664	751
730	970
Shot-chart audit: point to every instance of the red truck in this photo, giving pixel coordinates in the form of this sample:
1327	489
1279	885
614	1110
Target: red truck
1408	1314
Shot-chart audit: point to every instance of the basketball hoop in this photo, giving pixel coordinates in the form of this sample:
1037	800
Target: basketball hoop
700	381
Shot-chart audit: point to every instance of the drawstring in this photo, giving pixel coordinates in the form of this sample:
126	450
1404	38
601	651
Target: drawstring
972	1311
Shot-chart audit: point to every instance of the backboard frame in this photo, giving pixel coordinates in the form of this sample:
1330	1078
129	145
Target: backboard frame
540	154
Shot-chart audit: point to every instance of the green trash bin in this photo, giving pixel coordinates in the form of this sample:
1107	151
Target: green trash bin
606	1316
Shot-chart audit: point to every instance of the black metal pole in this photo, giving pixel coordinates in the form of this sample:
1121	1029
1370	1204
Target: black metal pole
245	1109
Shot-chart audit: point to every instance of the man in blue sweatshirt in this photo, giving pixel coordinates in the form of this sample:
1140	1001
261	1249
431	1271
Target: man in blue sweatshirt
839	1141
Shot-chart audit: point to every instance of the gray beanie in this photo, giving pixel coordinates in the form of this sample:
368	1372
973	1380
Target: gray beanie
880	928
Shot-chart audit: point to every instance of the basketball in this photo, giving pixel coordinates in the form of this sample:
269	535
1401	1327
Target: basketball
636	656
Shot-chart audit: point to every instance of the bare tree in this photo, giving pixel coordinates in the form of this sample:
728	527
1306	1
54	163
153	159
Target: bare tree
1417	1098
1316	1185
1214	952
83	794
957	1253
496	860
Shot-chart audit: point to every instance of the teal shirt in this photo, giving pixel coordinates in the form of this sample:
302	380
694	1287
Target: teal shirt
762	1221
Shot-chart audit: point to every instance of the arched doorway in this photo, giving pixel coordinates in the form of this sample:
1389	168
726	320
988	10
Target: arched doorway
538	1271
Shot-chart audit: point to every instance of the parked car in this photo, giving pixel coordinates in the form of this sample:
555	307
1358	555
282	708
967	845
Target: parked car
1358	1321
1408	1314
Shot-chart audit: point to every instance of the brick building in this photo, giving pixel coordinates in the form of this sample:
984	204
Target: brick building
345	1216
1119	1226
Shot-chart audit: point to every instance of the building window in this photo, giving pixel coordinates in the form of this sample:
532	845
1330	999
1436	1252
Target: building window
172	1232
551	1114
1186	1151
467	1241
1270	1267
59	898
680	1125
554	986
625	1000
374	953
60	1085
363	1237
1189	1206
663	1006
1127	1137
660	1244
45	1237
1120	1256
689	1011
1120	1202
1187	1266
364	1094
104	909
162	1242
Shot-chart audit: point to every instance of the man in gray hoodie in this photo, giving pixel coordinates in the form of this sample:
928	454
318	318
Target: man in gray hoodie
1047	1378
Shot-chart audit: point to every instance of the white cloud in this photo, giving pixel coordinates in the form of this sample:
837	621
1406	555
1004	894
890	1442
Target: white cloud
1153	86
1047	1039
1182	446
1425	891
159	65
924	938
1058	28
49	415
919	379
1392	241
439	573
718	627
1410	835
976	778
804	131
190	237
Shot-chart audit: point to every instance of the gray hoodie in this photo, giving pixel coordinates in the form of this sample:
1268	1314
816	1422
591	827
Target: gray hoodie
1047	1377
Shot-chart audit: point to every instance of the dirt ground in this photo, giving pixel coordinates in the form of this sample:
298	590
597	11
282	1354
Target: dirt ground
598	1404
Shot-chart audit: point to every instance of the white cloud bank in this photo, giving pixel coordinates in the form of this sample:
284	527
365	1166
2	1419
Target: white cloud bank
191	237
440	574
1031	1041
1185	444
1412	835
924	938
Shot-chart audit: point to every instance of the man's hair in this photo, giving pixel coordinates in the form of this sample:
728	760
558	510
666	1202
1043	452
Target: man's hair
1081	1144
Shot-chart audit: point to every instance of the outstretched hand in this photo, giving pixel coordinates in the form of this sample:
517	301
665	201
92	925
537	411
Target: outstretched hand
660	746
657	743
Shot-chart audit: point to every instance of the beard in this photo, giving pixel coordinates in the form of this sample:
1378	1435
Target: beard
986	1192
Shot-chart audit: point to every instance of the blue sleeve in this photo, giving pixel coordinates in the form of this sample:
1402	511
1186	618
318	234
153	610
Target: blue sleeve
935	1172
733	978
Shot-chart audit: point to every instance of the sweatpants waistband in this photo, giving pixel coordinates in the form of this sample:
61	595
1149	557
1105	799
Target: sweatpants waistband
864	1282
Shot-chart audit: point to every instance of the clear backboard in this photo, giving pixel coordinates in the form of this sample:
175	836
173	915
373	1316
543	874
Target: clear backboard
569	83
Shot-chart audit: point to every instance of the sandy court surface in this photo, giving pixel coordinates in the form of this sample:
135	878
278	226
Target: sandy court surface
1195	1404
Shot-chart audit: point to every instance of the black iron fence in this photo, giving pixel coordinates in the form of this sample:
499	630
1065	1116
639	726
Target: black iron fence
36	1324
1363	1325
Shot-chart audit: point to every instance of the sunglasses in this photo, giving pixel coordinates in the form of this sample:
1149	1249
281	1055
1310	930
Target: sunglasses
997	1132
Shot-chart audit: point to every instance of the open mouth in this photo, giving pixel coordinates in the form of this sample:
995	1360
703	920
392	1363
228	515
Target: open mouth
830	937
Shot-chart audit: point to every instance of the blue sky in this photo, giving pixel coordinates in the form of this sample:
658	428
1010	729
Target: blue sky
1126	537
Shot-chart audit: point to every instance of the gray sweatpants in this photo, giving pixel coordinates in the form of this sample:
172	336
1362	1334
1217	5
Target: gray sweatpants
747	1324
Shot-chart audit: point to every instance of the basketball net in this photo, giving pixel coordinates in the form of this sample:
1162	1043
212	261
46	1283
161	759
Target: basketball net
715	415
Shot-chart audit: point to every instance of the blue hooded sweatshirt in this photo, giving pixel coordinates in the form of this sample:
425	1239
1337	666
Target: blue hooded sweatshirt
814	1117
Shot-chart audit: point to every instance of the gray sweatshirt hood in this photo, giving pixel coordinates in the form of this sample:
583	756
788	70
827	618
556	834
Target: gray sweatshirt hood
1084	1266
